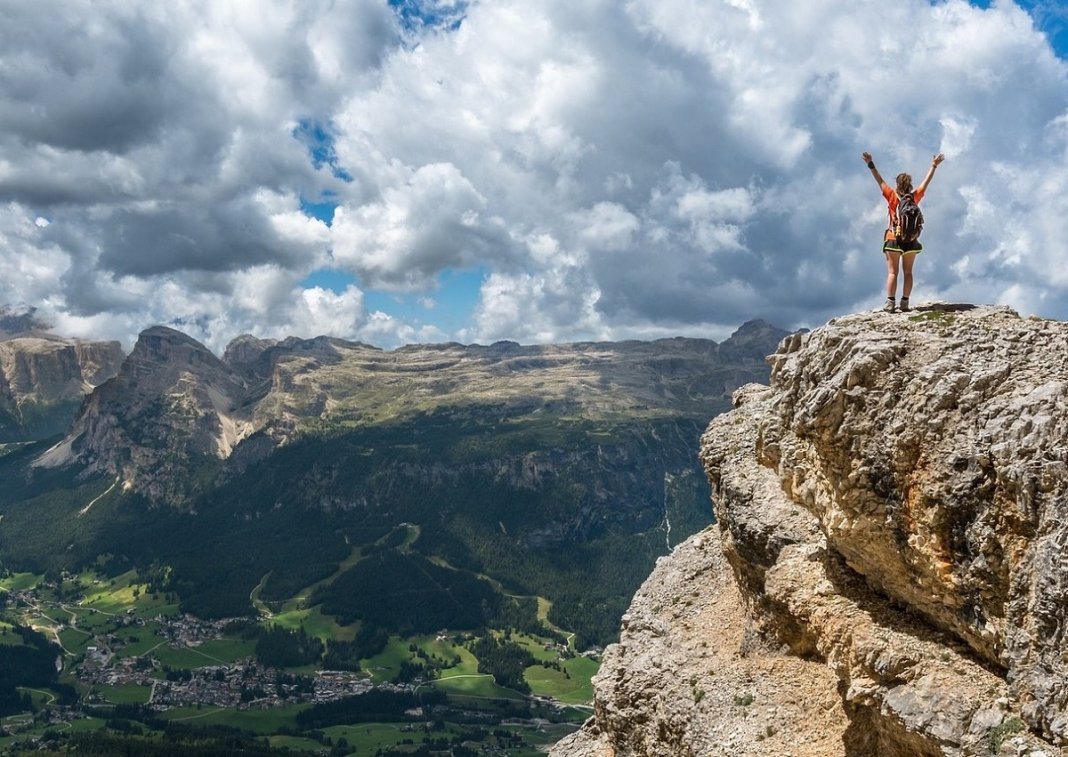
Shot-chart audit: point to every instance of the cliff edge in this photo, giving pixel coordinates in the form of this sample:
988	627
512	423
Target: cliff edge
887	573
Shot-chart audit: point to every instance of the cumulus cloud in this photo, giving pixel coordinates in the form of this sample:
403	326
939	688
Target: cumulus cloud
617	169
434	220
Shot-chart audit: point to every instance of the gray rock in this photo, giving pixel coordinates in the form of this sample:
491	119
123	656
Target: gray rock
893	509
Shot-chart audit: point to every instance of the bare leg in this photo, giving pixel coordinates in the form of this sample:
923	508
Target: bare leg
892	261
907	261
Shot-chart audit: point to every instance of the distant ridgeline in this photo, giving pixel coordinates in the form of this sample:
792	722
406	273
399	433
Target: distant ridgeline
428	487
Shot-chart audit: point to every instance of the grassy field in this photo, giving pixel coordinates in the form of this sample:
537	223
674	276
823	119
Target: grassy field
573	688
473	686
536	646
115	596
91	620
75	640
294	743
370	737
20	581
127	693
257	721
570	687
138	640
315	623
384	666
182	658
447	650
8	636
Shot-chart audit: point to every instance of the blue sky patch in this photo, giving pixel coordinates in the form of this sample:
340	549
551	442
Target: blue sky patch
323	209
449	307
319	143
415	15
329	278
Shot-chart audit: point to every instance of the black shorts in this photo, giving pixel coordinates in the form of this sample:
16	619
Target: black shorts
893	245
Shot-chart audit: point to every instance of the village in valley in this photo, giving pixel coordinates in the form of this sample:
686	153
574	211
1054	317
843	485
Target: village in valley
121	645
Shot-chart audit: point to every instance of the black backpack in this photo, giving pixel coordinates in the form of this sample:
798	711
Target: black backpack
909	219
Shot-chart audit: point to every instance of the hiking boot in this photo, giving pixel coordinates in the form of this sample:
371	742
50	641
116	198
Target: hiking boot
889	306
904	305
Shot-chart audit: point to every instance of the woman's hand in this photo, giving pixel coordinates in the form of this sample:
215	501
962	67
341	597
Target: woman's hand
935	160
866	157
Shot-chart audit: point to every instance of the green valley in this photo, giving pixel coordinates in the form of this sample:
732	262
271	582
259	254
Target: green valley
132	666
316	545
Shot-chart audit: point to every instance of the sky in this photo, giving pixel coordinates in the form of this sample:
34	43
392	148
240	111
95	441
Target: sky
534	170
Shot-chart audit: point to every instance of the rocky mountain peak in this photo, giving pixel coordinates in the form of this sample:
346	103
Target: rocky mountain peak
44	378
15	322
892	531
748	340
172	404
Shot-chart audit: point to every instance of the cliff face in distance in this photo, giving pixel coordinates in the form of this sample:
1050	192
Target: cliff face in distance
44	378
887	573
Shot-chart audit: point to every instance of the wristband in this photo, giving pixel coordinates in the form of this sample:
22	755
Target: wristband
871	164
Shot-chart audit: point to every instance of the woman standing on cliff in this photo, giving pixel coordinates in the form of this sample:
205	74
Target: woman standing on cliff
900	252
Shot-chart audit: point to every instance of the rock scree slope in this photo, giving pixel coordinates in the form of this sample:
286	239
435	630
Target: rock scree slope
887	574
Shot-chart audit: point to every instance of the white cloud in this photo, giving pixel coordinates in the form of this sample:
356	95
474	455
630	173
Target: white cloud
434	220
617	169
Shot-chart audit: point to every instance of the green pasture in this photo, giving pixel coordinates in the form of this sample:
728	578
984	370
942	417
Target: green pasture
212	652
536	646
21	581
295	743
123	593
57	615
447	650
139	640
384	665
126	693
367	738
553	683
8	635
315	623
473	686
76	640
228	649
91	620
257	721
86	725
184	658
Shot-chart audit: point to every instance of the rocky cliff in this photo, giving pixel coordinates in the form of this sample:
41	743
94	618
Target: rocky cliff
45	378
887	573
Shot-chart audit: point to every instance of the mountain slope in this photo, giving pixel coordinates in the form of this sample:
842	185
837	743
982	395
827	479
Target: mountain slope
559	470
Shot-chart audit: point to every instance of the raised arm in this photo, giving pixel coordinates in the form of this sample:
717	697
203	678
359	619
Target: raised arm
935	160
866	157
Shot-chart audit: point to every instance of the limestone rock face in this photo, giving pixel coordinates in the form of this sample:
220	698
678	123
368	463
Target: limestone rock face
893	507
689	679
44	379
172	404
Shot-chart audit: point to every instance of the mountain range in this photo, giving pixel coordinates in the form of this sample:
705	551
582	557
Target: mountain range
235	482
